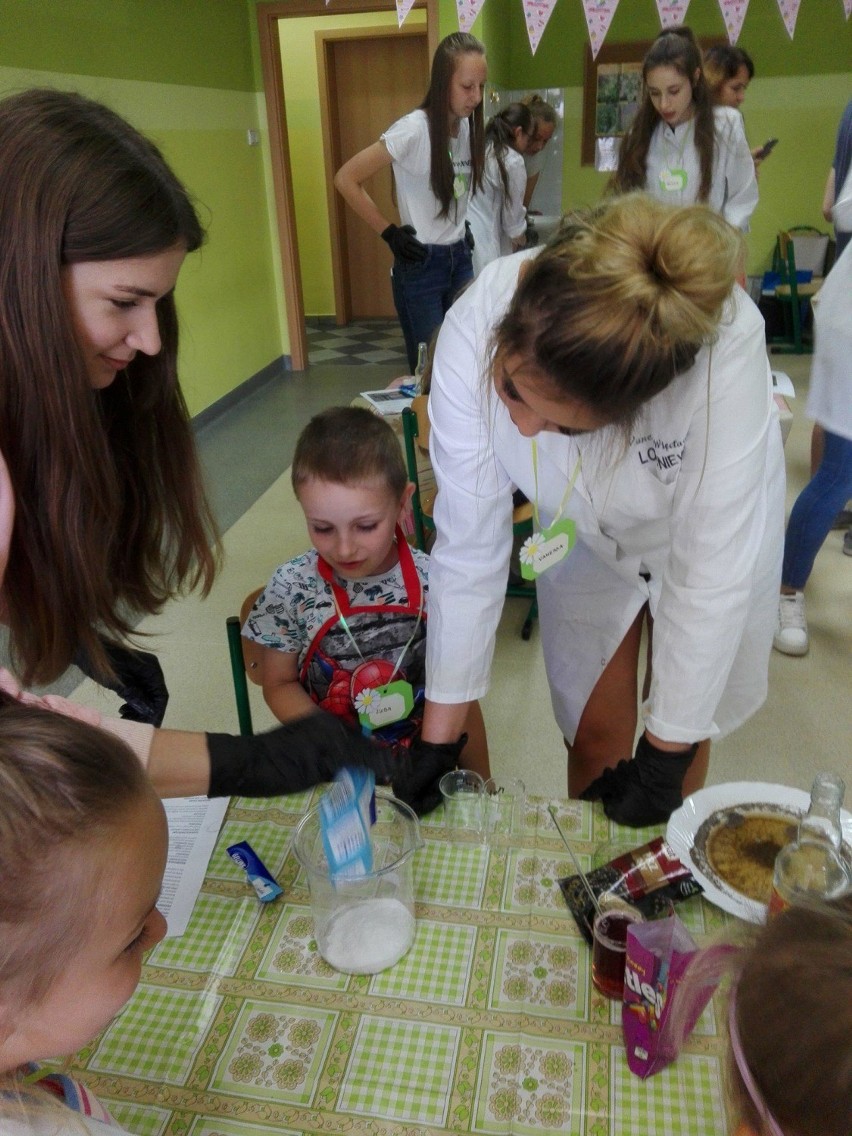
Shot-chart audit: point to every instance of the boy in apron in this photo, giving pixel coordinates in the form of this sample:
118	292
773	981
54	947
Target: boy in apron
344	625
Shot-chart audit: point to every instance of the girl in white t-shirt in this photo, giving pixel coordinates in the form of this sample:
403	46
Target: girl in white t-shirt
498	218
681	148
437	153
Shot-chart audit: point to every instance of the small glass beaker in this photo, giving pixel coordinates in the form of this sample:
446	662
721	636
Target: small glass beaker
462	791
503	806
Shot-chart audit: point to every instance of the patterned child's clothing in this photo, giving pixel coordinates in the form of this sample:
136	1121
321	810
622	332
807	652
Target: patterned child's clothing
382	634
71	1092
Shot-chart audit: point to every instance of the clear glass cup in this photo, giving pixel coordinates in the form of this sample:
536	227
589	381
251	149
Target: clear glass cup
462	790
503	805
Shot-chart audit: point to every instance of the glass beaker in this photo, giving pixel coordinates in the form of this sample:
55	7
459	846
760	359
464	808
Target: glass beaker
364	924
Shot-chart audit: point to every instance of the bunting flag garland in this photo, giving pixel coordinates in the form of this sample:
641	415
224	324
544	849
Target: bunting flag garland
672	12
733	13
598	15
468	10
403	7
789	10
536	15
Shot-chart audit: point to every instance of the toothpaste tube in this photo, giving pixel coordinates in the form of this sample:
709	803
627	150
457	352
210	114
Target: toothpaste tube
259	877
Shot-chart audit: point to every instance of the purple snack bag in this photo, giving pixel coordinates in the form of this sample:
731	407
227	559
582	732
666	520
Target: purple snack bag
658	954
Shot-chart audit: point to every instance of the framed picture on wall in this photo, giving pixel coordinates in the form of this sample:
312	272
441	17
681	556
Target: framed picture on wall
612	88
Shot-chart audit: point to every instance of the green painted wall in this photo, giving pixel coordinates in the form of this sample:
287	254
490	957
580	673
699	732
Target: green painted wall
197	101
201	43
799	94
304	127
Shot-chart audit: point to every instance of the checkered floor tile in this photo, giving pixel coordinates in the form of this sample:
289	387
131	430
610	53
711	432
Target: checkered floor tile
370	341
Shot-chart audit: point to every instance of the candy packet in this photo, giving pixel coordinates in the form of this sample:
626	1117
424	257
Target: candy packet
265	885
658	955
347	812
650	878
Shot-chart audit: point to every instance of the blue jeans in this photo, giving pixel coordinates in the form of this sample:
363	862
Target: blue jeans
815	510
423	293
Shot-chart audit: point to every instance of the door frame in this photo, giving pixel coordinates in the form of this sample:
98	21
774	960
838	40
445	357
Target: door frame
333	159
268	15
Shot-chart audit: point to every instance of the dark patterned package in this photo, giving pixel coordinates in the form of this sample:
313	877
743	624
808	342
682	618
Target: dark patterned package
649	878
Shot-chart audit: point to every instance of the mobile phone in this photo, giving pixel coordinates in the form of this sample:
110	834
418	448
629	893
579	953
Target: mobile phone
767	147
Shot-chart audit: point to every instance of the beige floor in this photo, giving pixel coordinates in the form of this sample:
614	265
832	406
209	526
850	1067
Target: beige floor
805	725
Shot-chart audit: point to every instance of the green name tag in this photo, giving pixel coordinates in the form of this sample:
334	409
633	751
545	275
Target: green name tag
544	549
379	706
673	181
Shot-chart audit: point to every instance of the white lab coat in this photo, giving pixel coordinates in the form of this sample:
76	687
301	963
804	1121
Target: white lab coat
695	499
733	186
496	219
830	392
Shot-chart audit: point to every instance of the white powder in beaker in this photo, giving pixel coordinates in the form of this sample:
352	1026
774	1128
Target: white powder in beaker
367	936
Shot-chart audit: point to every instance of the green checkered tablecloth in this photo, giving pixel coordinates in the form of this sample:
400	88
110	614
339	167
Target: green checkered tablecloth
490	1024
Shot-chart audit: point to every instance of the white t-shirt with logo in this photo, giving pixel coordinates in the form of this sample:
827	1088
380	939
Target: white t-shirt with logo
409	145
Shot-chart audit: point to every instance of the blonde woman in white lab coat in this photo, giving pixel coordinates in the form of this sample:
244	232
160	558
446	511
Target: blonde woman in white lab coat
619	378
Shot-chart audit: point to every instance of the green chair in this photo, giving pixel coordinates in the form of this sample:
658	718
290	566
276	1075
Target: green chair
794	295
245	662
415	428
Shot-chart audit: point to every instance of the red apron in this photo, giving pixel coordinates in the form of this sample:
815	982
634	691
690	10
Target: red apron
383	642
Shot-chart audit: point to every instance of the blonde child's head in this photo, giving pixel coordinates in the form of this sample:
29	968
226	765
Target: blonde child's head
350	479
83	843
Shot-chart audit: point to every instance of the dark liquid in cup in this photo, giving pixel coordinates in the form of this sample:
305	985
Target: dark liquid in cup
610	950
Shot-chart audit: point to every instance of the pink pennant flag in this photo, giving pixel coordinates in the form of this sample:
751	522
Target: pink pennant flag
468	10
599	15
733	13
847	8
403	7
789	10
536	15
672	12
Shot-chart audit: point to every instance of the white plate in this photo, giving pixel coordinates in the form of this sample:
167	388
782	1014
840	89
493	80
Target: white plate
685	822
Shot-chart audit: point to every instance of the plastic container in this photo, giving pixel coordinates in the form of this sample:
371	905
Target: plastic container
364	923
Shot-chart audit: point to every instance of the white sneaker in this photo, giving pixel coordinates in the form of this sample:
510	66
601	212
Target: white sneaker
791	636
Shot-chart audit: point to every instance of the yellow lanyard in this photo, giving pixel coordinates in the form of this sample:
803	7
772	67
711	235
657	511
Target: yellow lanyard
565	496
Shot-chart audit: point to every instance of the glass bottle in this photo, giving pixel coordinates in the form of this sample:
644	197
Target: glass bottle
813	865
422	360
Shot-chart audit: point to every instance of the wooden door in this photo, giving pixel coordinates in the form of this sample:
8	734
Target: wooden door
372	80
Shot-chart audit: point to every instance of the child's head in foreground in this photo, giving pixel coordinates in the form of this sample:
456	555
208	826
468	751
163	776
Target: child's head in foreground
789	1022
83	842
350	479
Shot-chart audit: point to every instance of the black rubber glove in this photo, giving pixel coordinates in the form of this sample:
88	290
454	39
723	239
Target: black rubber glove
469	239
420	768
307	751
646	790
404	244
139	680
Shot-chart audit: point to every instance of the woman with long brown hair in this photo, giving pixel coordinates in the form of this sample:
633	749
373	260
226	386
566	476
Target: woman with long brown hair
104	515
437	153
498	218
680	148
